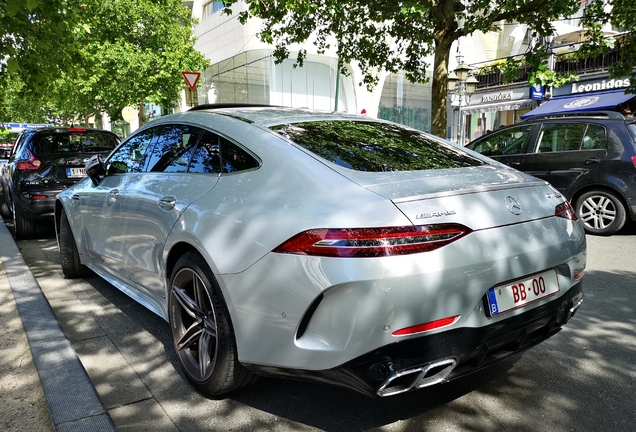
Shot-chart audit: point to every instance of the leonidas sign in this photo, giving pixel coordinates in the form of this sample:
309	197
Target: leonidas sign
600	85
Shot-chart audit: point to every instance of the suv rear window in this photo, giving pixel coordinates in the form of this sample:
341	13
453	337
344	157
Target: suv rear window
62	142
375	147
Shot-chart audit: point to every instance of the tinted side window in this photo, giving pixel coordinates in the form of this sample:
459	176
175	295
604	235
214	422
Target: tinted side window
560	137
173	149
507	142
216	154
234	158
129	158
207	156
594	137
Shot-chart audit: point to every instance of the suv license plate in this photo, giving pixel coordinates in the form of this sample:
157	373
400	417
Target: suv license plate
512	295
75	172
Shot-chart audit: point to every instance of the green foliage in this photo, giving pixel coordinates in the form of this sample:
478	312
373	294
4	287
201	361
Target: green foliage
124	52
621	14
394	36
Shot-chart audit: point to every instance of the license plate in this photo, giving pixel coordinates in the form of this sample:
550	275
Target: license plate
516	294
75	172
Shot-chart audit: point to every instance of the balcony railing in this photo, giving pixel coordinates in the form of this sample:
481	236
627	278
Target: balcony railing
565	65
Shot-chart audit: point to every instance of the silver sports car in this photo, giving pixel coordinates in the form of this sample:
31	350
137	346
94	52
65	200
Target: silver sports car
326	247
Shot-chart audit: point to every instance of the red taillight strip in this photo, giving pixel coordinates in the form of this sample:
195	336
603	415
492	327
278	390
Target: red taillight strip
31	164
634	160
76	129
420	328
566	211
373	242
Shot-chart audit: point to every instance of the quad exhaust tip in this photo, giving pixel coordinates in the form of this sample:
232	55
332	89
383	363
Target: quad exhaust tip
416	378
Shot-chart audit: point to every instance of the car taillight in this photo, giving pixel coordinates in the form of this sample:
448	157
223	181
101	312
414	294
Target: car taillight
565	211
76	129
634	160
31	164
373	242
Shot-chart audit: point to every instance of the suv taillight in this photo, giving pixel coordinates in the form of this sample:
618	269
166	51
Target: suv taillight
634	160
31	164
373	242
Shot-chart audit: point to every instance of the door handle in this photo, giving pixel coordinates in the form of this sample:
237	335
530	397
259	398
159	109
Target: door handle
167	203
514	164
592	161
112	196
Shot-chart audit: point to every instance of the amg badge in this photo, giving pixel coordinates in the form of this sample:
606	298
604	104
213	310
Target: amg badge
435	214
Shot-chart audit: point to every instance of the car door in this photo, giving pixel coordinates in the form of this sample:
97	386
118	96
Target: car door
506	146
566	153
100	206
153	202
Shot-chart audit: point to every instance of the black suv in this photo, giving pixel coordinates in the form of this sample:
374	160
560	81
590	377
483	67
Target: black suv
42	164
590	157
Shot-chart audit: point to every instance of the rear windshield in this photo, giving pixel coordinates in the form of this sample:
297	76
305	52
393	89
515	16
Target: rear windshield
62	142
375	147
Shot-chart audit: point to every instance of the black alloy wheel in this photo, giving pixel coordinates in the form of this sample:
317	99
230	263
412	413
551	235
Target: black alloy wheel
601	212
202	333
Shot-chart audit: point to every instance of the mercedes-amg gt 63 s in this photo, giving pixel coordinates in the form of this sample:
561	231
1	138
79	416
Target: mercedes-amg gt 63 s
323	246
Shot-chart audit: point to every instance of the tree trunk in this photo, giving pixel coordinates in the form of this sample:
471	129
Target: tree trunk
446	32
141	114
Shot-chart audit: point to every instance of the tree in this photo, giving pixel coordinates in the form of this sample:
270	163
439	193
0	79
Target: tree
620	14
38	39
395	35
128	52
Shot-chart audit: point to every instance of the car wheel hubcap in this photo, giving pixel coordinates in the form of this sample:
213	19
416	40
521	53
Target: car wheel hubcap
598	212
193	324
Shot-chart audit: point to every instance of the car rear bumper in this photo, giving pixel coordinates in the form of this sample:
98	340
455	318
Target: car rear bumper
427	360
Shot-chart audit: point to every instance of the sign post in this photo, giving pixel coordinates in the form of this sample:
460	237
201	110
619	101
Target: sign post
191	78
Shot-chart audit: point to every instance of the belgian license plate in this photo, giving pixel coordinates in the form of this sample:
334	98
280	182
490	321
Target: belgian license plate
75	172
516	294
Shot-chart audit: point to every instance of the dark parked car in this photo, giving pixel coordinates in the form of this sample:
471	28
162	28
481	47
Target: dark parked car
589	157
42	164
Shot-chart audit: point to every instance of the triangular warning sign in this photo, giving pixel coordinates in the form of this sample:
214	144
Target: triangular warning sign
191	78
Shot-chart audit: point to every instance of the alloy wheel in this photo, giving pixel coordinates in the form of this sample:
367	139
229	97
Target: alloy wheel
194	324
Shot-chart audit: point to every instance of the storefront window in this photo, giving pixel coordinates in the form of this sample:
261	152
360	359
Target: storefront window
253	77
406	103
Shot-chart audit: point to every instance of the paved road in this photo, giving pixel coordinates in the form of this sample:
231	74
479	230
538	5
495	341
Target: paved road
583	379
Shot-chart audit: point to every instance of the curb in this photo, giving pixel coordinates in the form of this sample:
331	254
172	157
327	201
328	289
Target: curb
71	397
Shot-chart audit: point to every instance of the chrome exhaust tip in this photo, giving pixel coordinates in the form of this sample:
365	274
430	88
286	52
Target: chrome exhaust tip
418	377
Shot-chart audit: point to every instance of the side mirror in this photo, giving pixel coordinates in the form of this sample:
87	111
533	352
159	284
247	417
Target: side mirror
95	168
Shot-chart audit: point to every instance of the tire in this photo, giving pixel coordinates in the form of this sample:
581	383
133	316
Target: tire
199	318
602	213
23	227
69	257
5	211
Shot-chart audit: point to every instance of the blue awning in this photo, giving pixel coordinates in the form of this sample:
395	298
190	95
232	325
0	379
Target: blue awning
599	101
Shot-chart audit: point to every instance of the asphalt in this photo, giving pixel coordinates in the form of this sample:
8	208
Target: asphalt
72	401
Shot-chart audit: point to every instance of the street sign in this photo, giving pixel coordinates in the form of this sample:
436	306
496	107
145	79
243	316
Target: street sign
191	78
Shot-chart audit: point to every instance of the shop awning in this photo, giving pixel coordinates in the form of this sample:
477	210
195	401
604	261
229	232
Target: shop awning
582	102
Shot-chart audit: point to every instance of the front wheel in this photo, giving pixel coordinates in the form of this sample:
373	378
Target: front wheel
202	333
602	213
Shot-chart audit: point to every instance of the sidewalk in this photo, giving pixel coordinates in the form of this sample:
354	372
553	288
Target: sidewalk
43	388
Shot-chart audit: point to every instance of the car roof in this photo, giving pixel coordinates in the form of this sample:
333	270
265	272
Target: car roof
266	115
576	115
